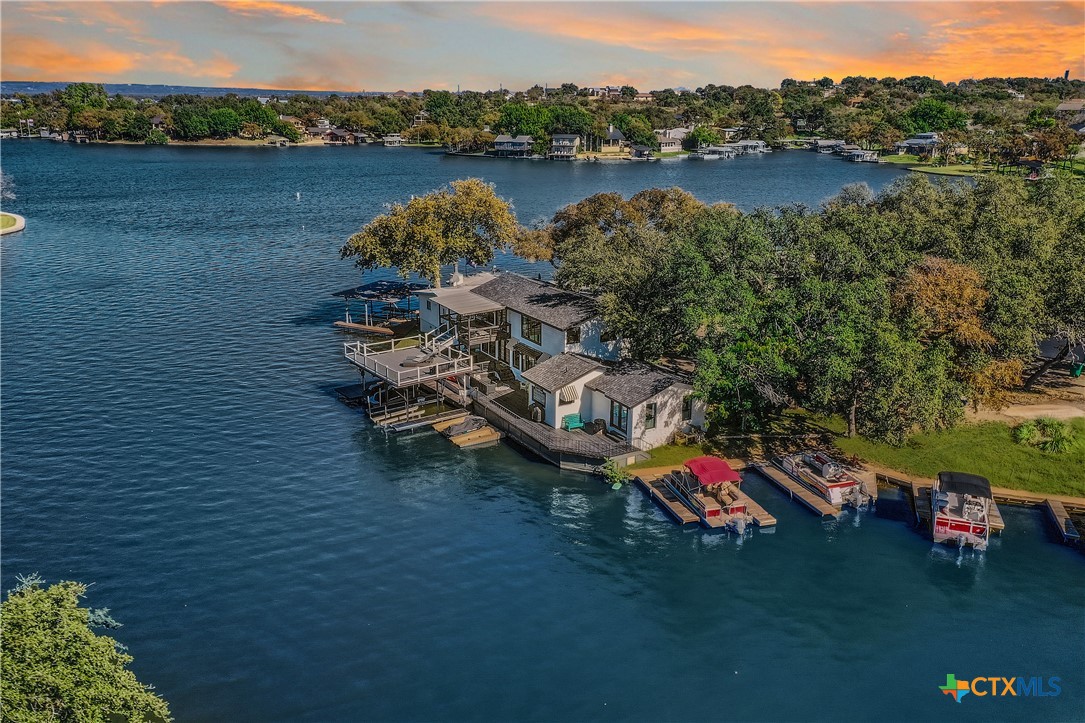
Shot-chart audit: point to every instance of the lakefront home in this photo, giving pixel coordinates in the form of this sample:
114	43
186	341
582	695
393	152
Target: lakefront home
538	364
668	144
563	146
506	146
614	141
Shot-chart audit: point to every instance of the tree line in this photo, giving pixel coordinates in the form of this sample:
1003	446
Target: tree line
872	112
894	310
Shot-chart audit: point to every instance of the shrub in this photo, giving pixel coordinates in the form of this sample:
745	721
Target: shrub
1059	439
157	138
1026	433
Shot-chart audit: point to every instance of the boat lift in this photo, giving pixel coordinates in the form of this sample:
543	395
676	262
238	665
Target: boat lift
385	303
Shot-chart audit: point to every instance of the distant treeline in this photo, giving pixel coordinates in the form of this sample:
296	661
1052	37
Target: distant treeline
874	113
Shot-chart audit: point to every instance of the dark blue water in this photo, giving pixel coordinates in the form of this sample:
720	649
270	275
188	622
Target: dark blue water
170	435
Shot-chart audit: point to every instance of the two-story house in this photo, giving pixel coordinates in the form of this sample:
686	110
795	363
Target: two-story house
507	146
563	146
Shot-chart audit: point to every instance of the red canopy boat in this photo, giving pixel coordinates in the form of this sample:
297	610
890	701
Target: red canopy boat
712	470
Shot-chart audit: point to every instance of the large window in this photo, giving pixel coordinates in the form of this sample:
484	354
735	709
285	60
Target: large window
572	336
687	409
524	360
531	329
650	415
619	416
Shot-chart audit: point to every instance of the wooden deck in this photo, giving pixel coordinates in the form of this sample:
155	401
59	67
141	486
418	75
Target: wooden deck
797	491
574	450
760	516
657	491
1057	512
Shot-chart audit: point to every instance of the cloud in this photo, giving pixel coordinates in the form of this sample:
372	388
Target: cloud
290	11
37	58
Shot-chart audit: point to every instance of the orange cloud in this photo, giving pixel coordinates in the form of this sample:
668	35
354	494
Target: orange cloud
254	8
40	59
26	56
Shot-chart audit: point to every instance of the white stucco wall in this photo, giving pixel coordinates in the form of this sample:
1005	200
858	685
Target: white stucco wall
555	409
591	345
668	417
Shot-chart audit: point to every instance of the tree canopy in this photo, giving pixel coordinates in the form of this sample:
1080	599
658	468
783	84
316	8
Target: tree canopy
465	220
54	667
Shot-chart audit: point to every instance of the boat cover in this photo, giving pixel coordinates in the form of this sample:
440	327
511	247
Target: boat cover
712	470
962	483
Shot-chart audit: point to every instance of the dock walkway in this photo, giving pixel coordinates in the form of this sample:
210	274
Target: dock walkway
797	491
1057	512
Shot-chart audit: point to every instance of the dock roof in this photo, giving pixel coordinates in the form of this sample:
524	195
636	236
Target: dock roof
632	383
384	290
559	371
552	306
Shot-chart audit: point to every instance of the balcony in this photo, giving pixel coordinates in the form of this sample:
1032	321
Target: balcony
409	361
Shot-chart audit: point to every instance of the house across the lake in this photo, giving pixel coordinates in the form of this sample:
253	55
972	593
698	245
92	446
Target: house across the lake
506	146
668	144
541	366
563	146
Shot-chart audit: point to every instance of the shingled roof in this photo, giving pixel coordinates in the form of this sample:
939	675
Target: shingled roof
556	372
545	302
633	383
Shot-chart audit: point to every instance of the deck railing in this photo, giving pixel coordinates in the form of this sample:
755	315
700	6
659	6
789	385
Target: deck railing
371	356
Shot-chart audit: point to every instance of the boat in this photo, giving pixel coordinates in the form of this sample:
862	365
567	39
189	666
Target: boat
825	477
707	487
705	155
960	509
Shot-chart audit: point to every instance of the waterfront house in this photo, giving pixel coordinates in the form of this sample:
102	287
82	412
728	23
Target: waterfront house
542	369
420	118
563	146
921	144
823	145
638	403
669	145
614	141
678	133
338	137
392	139
506	146
298	123
158	122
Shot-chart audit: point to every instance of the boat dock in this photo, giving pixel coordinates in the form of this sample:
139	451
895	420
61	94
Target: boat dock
651	482
919	498
797	491
1057	512
476	438
657	491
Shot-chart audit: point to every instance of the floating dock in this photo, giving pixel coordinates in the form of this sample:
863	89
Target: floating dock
657	491
919	497
1057	512
799	492
476	438
652	484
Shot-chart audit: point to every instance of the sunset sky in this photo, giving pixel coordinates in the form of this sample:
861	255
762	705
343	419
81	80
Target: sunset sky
353	46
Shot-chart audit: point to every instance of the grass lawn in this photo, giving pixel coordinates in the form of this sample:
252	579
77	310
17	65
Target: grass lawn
960	169
900	159
984	449
669	454
6	220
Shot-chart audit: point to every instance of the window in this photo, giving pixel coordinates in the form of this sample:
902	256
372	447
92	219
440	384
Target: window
619	416
531	329
538	394
572	336
650	415
524	360
687	409
429	305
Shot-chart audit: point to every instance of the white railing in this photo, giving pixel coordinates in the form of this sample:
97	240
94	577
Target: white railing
372	358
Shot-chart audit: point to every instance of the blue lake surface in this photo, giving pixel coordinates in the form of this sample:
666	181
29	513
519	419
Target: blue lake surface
170	434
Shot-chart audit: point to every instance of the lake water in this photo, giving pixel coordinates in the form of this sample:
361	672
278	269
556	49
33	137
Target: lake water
170	434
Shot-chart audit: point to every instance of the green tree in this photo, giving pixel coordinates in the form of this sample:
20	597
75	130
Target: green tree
929	114
54	667
466	220
223	123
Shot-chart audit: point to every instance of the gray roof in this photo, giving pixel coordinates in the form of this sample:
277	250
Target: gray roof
545	302
556	372
511	139
632	383
564	136
615	135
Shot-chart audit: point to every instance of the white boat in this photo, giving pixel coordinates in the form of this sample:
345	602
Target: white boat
960	509
826	478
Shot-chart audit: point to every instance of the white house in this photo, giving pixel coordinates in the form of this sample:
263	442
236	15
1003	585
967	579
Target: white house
637	402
